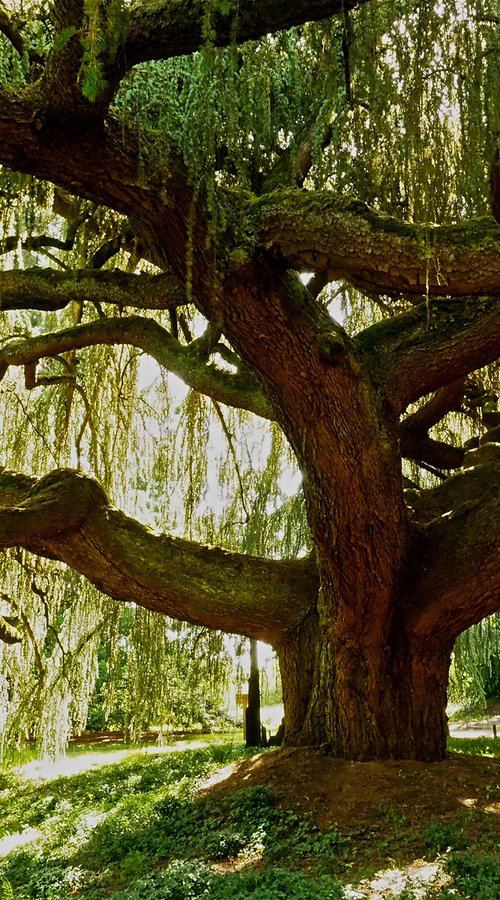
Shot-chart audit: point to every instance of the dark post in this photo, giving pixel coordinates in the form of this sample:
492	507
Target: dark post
253	730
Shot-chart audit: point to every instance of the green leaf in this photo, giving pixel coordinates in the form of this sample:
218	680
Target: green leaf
63	37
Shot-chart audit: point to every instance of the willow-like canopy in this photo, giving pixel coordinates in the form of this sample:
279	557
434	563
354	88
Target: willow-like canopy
191	159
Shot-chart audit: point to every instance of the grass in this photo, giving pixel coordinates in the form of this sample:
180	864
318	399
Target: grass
481	746
133	830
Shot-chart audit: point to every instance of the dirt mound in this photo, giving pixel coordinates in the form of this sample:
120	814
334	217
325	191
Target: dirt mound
353	794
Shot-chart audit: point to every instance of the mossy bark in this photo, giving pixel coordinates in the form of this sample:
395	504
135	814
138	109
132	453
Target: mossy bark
364	631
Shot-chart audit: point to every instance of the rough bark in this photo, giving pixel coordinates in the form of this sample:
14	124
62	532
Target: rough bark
66	516
47	289
321	230
365	695
364	628
431	346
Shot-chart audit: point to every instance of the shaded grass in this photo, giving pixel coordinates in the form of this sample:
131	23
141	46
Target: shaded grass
134	830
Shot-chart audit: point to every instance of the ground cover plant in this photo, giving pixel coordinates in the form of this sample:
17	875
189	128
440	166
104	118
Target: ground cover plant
217	822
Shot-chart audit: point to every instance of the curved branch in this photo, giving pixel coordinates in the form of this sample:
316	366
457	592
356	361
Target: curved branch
165	29
414	440
430	346
322	230
458	556
237	390
66	516
48	289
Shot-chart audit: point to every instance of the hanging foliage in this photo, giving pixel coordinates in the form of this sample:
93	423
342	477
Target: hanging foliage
397	103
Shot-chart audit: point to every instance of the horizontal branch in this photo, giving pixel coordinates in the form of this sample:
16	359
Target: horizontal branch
48	289
321	230
165	29
66	516
458	556
236	390
415	442
432	345
423	449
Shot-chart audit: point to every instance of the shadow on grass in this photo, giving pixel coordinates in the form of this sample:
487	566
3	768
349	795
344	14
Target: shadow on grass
135	831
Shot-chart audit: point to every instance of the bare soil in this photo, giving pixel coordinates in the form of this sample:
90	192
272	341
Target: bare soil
354	794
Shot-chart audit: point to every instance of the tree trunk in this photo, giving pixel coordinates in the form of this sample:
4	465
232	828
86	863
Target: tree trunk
253	726
362	701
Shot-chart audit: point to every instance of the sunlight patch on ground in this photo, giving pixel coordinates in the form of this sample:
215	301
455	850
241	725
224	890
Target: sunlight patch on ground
14	841
418	878
48	769
219	776
227	771
74	764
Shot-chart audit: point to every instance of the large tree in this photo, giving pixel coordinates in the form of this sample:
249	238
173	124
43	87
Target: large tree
242	144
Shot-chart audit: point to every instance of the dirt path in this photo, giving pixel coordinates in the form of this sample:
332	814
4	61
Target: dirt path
488	725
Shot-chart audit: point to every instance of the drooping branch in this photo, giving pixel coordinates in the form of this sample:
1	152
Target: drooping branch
148	32
316	230
66	516
457	558
432	345
48	289
104	165
350	241
187	363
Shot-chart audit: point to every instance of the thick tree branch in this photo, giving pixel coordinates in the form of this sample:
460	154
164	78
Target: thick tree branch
417	352
237	390
321	230
460	524
11	32
421	448
48	289
310	229
445	400
102	164
416	443
66	516
165	29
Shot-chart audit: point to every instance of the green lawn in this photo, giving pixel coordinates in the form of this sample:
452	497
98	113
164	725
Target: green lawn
133	830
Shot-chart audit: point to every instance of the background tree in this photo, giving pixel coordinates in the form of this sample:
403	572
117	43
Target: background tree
177	167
